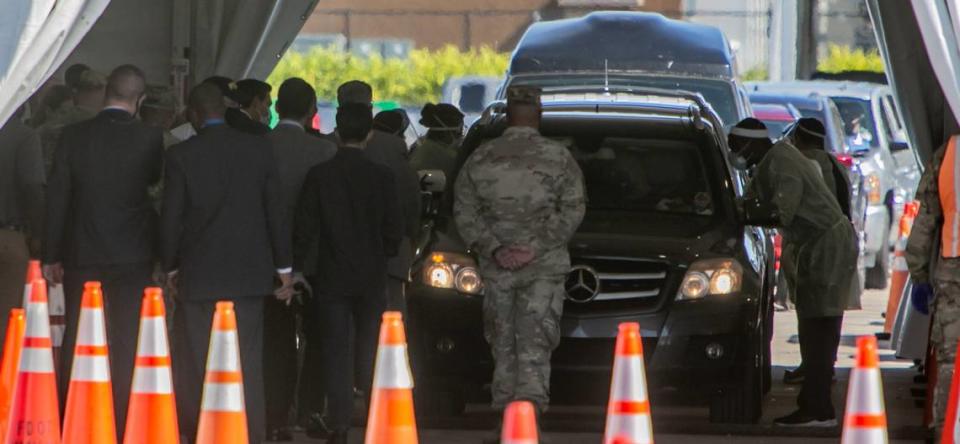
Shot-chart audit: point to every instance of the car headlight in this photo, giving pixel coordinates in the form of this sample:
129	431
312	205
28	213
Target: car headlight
711	277
453	271
874	191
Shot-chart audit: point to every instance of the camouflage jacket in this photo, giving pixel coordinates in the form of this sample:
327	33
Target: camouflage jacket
520	189
923	245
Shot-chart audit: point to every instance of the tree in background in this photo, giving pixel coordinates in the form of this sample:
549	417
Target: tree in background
844	58
415	80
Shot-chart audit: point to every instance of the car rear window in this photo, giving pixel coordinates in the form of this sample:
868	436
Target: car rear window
643	175
859	126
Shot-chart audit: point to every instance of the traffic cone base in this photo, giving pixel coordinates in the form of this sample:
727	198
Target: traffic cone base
16	326
152	415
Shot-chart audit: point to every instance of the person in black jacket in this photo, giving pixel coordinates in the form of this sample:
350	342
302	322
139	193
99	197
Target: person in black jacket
349	208
254	112
101	224
223	237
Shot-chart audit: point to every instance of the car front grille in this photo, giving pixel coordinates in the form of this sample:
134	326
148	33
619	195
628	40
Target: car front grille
605	285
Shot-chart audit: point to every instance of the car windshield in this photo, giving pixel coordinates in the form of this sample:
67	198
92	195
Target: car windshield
859	128
643	174
718	93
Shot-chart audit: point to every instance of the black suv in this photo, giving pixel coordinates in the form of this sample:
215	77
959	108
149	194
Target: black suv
662	244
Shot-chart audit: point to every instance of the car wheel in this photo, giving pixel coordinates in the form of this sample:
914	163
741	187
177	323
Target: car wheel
741	402
877	276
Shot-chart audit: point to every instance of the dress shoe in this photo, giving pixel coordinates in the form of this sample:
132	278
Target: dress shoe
316	427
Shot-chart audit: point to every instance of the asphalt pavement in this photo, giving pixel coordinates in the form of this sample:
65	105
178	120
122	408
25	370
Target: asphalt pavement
676	421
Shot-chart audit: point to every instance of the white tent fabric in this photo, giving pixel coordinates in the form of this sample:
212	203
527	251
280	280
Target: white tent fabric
244	38
939	25
48	30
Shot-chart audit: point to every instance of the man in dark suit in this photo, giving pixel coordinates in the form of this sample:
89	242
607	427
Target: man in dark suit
390	150
348	208
223	238
254	99
100	223
295	152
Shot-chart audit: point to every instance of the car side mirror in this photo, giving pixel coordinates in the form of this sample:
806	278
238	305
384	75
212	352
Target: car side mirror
432	181
899	145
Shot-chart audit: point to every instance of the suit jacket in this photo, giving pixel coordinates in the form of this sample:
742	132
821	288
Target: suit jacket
390	150
296	152
98	209
239	120
223	216
349	210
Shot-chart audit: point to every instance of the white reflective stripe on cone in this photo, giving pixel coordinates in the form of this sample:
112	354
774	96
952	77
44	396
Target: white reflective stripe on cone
222	397
392	368
153	337
36	360
152	380
629	383
90	369
38	321
519	441
864	392
26	296
864	436
92	328
224	353
636	428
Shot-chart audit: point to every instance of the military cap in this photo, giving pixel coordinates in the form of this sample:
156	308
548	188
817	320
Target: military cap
523	95
355	91
441	116
90	80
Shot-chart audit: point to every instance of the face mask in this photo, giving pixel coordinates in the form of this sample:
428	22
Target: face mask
737	161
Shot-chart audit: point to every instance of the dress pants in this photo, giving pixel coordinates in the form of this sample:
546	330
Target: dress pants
819	339
122	295
191	340
14	256
342	318
310	396
279	360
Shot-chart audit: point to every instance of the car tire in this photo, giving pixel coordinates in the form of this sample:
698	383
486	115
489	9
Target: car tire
878	275
742	401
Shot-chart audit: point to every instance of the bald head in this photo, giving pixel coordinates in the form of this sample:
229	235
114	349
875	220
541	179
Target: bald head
126	84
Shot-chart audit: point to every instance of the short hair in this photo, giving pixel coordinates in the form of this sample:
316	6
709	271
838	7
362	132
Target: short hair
295	98
126	82
225	84
206	100
394	121
249	89
354	122
72	75
355	91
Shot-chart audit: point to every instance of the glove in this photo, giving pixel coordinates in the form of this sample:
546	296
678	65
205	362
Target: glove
921	296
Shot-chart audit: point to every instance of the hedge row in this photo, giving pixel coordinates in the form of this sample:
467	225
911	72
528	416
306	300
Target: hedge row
415	80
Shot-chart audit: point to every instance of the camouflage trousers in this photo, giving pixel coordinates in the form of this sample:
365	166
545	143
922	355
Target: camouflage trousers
522	325
943	336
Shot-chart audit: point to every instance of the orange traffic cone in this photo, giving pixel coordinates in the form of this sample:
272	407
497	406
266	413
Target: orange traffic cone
33	273
519	424
223	418
865	421
34	413
11	359
951	433
152	415
89	417
898	278
628	413
391	418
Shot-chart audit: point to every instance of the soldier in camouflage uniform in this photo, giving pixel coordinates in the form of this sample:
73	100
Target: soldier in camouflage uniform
88	93
518	200
932	271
